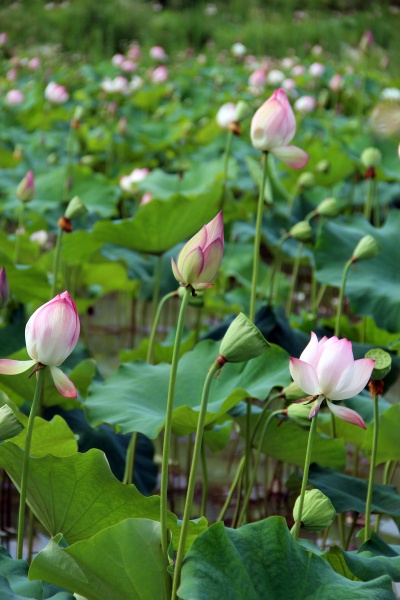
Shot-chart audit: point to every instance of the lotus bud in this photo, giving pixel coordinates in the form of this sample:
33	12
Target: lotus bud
301	232
292	392
329	207
77	118
4	288
9	424
243	110
242	341
200	259
306	181
322	167
226	115
318	511
299	413
366	248
26	188
75	208
371	157
197	300
383	362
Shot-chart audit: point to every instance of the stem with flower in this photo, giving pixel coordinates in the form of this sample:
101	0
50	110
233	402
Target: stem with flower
296	529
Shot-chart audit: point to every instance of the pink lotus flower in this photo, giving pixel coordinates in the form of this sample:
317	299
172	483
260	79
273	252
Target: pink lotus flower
14	97
55	93
134	51
12	75
258	77
160	74
117	60
128	66
158	53
273	127
298	70
200	259
326	370
34	63
50	334
336	83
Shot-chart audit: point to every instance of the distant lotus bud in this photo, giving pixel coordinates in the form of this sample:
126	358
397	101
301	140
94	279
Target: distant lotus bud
323	166
158	53
238	50
14	97
226	115
243	110
383	362
275	77
41	237
9	424
75	208
26	188
299	413
317	69
306	181
316	50
366	248
242	341
371	157
146	198
3	39
301	232
34	63
55	93
4	288
258	77
77	118
200	259
128	66
318	511
329	207
18	152
298	70
292	392
117	60
288	84
336	83
367	40
305	104
160	74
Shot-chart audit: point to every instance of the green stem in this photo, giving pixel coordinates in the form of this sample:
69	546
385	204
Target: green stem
269	280
294	280
386	480
368	204
228	145
257	239
239	474
156	289
341	295
156	320
367	530
18	234
319	297
297	525
25	462
192	479
256	463
56	262
168	423
247	456
205	479
130	459
351	530
313	292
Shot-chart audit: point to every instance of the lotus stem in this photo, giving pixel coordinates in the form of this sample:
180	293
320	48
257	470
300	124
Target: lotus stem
367	530
341	296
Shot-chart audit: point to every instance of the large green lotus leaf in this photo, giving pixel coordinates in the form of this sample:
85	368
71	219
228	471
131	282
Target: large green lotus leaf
120	562
288	442
261	561
134	398
78	247
49	437
349	493
106	277
95	191
162	352
28	283
15	585
159	225
373	285
388	436
78	495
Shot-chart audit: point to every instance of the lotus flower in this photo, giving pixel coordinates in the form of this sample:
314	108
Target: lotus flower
50	334
199	260
55	93
273	127
327	371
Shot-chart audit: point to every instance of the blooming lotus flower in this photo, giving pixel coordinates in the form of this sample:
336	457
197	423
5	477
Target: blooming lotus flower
326	370
199	260
273	127
128	66
50	334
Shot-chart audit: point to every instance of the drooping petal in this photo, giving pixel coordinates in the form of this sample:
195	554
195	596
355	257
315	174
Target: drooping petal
192	265
346	414
310	352
215	230
335	357
212	261
64	385
13	367
175	271
305	376
353	379
292	156
199	240
200	285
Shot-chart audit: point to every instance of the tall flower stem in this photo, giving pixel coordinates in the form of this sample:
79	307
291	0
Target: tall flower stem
239	474
130	459
205	479
341	296
18	234
192	478
227	152
367	530
156	289
56	262
168	422
370	197
156	320
295	273
297	525
25	462
387	478
257	239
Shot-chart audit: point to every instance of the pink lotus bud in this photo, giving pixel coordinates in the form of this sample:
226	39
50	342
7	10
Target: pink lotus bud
158	53
288	84
14	97
117	60
134	52
336	83
273	127
26	188
128	66
298	70
51	334
367	40
160	74
146	198
317	69
305	104
34	64
12	75
226	115
4	288
258	77
3	39
55	93
200	259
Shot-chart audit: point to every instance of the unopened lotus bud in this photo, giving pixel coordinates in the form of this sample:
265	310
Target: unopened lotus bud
243	110
383	362
75	208
366	248
299	413
9	424
323	166
371	157
77	118
306	181
292	392
26	188
328	208
4	288
301	232
318	511
242	341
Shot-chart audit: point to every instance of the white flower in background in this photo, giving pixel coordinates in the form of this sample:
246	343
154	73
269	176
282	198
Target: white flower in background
238	50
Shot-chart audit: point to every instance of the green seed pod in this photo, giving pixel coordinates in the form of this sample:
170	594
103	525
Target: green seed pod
243	110
306	181
383	362
371	157
242	341
318	511
299	413
75	208
293	392
9	424
366	248
301	232
328	208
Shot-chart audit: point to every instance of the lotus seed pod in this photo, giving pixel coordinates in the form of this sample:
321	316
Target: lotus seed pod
299	413
293	392
242	341
328	208
371	157
383	362
366	248
318	511
9	424
75	208
301	232
306	181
